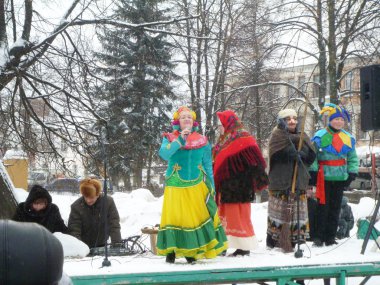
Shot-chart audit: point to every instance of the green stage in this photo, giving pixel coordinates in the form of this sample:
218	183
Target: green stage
281	275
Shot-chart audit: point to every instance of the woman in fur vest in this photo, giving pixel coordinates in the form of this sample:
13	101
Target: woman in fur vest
239	171
282	207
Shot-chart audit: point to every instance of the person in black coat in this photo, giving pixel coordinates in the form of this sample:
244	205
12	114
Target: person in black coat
38	208
346	220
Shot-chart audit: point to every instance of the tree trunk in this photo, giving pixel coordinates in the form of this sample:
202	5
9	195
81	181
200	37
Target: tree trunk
332	52
322	61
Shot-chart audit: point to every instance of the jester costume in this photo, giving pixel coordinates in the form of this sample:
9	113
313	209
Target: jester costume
335	167
239	171
190	226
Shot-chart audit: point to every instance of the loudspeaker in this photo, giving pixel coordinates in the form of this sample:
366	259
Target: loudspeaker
370	97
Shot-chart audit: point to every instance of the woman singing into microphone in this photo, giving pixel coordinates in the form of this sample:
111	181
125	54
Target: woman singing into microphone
190	226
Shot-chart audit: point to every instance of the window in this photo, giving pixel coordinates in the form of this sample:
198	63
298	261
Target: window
291	90
316	86
348	81
301	83
63	146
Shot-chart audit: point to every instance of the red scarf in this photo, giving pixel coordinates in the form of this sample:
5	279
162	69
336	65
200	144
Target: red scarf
194	140
234	143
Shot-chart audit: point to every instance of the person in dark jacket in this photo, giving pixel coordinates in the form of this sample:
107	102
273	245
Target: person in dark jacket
38	208
282	207
87	219
346	220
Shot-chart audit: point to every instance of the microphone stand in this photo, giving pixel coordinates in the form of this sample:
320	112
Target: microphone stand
376	211
105	262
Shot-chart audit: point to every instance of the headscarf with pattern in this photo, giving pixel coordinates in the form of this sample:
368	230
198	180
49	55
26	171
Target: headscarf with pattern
234	149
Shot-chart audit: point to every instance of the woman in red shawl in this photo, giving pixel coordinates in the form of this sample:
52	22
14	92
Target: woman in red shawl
239	171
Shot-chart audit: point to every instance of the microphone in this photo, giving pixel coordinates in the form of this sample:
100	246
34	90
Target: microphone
185	136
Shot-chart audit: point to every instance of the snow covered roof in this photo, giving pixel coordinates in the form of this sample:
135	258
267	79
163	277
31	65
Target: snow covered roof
14	154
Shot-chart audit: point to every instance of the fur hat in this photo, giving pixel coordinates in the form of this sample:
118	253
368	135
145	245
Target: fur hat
286	113
335	111
90	187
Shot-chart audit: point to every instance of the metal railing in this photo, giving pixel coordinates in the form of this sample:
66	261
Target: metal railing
284	275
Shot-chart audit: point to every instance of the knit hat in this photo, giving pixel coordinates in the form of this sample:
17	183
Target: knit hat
335	111
90	187
286	113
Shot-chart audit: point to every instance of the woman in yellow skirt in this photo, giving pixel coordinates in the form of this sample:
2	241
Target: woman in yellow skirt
190	226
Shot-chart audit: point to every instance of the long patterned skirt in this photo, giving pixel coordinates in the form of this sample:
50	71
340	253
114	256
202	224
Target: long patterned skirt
283	209
236	220
190	225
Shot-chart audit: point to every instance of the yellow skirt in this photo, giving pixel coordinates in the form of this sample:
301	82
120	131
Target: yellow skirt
190	225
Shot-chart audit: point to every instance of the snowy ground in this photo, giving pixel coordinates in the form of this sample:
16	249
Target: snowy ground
140	209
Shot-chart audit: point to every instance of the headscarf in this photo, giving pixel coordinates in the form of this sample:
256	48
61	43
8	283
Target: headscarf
234	149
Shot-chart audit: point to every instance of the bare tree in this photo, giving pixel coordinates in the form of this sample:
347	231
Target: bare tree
330	32
206	52
46	81
51	63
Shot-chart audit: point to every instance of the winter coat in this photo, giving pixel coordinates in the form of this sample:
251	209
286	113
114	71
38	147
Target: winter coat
50	217
86	223
346	219
282	161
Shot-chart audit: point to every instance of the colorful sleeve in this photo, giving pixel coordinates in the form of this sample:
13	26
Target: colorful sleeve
314	165
167	148
207	164
352	161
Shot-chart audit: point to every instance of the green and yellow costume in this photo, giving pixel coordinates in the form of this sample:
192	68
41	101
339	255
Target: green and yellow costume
190	225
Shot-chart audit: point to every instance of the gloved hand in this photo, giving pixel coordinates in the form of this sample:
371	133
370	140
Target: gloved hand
313	178
302	154
292	153
351	177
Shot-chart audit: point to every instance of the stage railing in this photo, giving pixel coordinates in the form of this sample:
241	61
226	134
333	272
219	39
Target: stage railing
281	275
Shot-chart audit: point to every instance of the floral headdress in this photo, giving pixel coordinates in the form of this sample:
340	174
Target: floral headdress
175	122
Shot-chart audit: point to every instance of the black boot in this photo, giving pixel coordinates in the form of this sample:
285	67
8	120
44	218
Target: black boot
240	252
317	242
190	260
170	258
331	242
